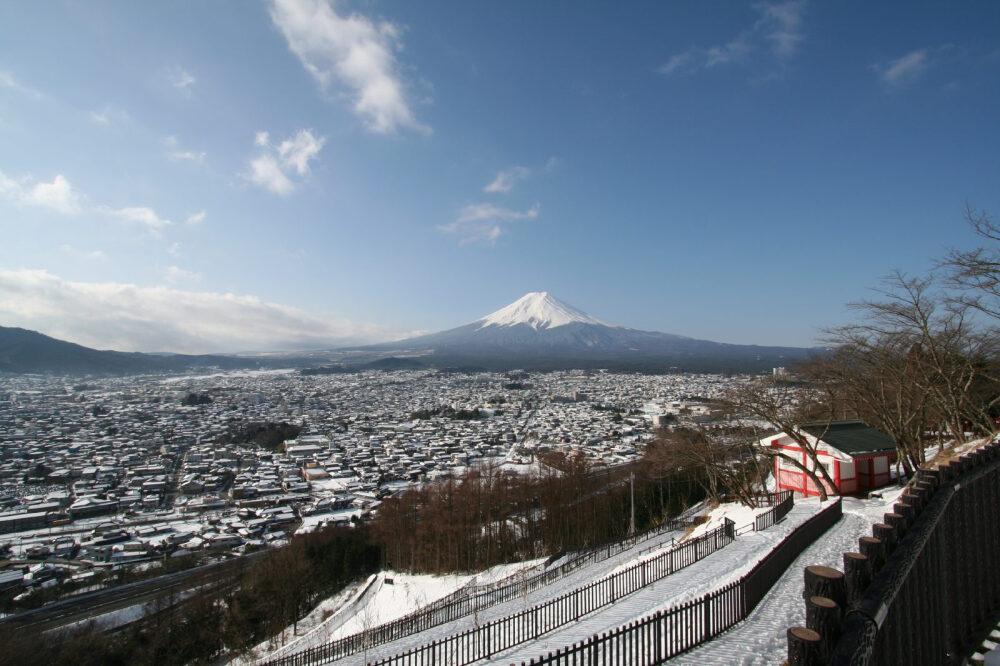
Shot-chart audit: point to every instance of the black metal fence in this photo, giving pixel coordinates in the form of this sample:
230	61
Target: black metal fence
465	601
925	583
499	635
780	503
668	633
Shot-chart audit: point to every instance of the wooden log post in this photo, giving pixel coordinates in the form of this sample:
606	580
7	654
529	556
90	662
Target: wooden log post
874	550
931	476
907	511
804	647
826	582
913	498
857	576
897	522
823	616
887	535
926	490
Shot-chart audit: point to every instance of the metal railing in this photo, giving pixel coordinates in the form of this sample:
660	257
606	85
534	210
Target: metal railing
669	633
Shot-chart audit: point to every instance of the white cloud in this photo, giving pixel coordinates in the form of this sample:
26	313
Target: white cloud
778	30
139	215
181	79
58	195
485	222
174	249
297	151
356	52
175	274
100	118
781	25
108	116
61	197
266	172
183	155
188	155
132	318
505	180
271	170
92	255
7	80
903	70
195	218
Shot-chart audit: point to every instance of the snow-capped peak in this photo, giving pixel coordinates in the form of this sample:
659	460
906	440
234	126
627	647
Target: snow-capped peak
538	309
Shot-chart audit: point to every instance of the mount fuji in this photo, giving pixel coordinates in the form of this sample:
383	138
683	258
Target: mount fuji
540	331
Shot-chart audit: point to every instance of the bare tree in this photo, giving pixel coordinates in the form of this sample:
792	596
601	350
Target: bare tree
727	462
915	358
786	408
976	273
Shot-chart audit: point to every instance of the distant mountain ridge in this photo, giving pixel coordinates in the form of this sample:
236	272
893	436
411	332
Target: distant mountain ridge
535	332
25	351
538	330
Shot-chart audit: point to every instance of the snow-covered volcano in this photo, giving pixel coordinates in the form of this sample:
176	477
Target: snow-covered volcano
539	309
539	330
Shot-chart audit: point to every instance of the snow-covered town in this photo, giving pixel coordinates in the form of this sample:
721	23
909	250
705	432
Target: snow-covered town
110	473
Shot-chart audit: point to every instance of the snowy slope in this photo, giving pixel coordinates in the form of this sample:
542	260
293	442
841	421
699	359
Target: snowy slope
539	309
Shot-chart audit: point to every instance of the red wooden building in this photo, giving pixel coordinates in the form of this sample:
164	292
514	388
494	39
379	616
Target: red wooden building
856	456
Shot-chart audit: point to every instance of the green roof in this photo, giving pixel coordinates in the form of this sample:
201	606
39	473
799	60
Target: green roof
852	437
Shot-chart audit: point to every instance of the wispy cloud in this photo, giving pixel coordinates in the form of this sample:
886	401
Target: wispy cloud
781	25
354	51
903	70
61	197
108	116
132	318
485	222
58	196
506	180
272	168
175	275
181	79
195	218
174	152
778	31
91	255
7	80
141	216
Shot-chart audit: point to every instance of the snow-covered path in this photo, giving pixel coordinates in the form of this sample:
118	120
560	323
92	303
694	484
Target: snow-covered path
695	581
760	639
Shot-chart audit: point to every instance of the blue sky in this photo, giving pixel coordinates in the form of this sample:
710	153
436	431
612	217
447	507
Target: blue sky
231	175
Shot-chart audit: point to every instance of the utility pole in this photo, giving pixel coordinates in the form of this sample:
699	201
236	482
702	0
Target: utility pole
631	483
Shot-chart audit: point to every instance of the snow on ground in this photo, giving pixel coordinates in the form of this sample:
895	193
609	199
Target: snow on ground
760	639
395	595
375	602
313	629
694	581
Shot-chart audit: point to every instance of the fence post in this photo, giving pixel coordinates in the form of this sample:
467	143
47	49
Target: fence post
857	576
803	647
707	615
827	582
823	617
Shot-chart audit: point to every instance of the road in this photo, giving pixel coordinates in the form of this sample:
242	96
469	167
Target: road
93	604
